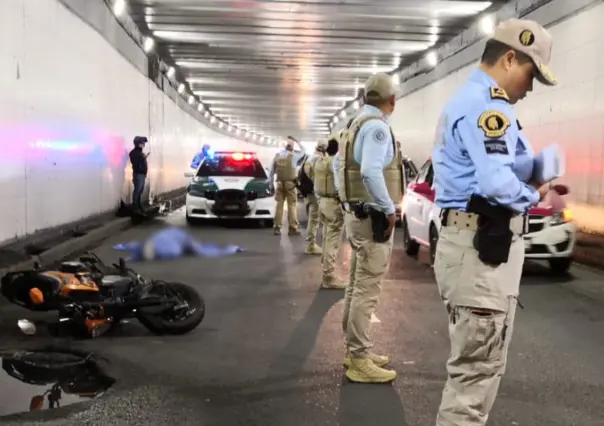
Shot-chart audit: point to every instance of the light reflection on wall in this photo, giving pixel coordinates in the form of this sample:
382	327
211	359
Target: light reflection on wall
30	143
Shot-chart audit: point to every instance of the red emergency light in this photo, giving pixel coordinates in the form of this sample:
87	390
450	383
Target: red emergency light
238	155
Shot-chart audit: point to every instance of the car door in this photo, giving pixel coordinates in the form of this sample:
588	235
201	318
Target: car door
414	202
426	205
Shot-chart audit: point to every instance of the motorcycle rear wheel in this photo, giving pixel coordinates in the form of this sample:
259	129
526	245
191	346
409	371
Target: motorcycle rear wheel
161	323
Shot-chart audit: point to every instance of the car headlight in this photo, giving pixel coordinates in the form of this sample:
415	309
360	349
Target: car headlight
561	217
257	189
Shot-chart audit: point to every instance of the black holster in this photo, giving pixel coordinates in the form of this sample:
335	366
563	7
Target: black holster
379	224
493	238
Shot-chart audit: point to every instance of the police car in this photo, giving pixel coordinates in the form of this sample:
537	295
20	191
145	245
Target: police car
551	235
230	185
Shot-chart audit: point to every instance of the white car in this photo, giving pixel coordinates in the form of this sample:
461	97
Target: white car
230	185
551	236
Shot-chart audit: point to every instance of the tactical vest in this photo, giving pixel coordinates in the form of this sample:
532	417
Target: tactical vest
324	178
285	170
352	188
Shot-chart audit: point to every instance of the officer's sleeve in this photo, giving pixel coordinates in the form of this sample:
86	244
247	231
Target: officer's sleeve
297	156
489	135
525	159
376	139
271	173
335	167
196	161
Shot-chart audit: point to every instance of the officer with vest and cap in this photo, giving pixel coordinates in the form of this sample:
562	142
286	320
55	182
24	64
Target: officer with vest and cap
311	199
331	214
284	167
485	183
370	183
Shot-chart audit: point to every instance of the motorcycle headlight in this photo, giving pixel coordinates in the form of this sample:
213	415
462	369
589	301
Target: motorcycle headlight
561	217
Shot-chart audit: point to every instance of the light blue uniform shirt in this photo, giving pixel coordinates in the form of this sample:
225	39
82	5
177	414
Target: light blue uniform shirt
284	153
480	149
374	150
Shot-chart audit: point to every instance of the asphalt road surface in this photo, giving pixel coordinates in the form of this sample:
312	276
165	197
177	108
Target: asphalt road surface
269	351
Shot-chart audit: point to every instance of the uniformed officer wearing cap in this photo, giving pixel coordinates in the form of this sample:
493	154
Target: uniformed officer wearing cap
331	214
311	200
370	182
284	167
483	174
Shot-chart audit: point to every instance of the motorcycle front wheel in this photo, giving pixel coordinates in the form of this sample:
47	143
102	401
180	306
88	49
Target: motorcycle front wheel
169	320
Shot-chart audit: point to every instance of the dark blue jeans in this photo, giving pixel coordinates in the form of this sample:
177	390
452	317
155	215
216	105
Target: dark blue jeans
138	180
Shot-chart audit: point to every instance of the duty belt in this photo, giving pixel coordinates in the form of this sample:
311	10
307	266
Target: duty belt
351	207
469	221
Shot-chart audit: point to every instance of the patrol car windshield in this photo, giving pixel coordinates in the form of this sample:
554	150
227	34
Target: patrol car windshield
234	167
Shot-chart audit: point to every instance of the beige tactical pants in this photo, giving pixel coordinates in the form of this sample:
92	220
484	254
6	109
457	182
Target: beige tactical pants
481	303
313	218
332	217
286	192
368	266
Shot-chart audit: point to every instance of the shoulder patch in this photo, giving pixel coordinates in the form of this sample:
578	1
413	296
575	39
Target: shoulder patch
494	124
379	135
499	93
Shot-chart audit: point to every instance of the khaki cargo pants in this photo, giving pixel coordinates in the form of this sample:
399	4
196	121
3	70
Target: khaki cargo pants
368	266
332	217
481	303
286	192
313	218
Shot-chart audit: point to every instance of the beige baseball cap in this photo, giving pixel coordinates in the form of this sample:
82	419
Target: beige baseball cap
530	38
381	84
321	144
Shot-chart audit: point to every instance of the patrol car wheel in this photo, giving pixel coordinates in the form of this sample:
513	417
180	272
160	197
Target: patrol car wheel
266	223
560	265
411	246
191	221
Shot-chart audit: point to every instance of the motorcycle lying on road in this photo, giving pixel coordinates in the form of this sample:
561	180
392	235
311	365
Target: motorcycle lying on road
92	297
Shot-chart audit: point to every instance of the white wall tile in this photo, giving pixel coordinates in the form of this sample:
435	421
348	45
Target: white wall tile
70	107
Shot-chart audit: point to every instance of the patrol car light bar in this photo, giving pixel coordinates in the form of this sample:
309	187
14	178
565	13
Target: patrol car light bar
237	156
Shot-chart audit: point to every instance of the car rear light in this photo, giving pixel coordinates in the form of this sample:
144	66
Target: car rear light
239	156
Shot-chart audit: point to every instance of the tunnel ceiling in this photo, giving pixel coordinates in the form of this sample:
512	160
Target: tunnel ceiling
276	68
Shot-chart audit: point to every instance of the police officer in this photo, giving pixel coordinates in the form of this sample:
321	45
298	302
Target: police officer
138	160
284	167
200	156
311	199
331	214
370	182
483	174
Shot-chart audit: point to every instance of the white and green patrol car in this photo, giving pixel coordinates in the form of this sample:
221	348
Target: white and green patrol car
230	185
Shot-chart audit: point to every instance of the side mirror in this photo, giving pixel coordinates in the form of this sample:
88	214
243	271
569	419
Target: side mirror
189	174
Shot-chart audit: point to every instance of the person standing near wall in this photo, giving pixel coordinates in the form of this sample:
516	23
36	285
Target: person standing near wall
310	198
332	216
284	167
370	183
138	159
485	183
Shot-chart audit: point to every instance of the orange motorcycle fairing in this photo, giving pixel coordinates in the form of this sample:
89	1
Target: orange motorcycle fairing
72	282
